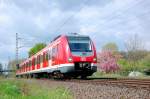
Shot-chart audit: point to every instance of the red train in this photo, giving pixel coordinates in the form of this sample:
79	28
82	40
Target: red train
67	55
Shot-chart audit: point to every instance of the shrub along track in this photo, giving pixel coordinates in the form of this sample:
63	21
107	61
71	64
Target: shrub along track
120	82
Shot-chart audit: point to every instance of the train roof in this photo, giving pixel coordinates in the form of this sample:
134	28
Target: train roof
76	35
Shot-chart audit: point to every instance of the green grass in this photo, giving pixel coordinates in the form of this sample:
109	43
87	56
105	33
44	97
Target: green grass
99	74
17	89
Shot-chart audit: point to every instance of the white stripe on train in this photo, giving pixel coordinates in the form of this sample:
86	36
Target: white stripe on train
49	68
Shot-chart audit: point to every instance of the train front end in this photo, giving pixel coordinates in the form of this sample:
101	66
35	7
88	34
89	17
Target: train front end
82	55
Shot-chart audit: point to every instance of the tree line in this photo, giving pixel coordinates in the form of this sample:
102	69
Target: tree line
134	58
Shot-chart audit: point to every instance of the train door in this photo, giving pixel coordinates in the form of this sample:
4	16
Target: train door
45	59
55	56
27	66
61	52
58	55
30	65
50	57
41	61
38	62
33	63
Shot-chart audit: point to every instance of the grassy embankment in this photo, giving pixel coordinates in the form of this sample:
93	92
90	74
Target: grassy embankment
19	89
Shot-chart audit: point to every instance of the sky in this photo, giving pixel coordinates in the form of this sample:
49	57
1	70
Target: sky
41	20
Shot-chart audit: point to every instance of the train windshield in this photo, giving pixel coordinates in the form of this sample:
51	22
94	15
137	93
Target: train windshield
80	44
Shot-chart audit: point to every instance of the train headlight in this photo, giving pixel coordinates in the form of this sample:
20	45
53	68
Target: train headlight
94	59
70	59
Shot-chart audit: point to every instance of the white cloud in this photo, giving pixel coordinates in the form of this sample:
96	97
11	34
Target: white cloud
5	21
86	29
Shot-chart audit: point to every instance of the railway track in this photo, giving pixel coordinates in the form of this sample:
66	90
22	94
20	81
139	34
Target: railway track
120	82
130	83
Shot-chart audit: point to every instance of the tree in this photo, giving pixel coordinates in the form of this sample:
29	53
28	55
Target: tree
12	63
1	68
36	48
110	47
12	66
107	61
135	50
146	60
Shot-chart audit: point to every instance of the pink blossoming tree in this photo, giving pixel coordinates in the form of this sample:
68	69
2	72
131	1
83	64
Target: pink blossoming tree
107	61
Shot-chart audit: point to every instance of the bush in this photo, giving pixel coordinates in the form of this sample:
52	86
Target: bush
146	61
126	67
108	61
12	89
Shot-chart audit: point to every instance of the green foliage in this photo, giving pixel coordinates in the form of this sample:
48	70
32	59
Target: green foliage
12	66
136	56
127	66
100	74
1	68
8	90
17	89
146	61
36	48
110	47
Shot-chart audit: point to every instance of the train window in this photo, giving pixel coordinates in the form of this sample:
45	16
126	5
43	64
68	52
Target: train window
27	64
35	61
49	54
54	52
79	44
46	56
41	58
30	63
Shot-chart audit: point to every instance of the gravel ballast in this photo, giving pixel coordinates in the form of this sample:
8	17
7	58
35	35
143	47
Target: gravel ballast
89	91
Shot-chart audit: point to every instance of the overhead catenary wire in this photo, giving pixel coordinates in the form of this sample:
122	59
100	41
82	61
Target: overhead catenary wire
113	14
70	17
117	14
